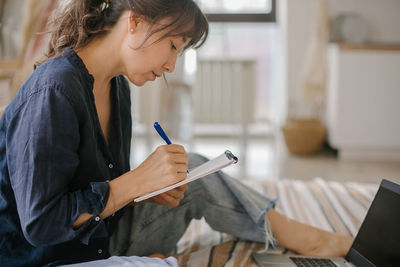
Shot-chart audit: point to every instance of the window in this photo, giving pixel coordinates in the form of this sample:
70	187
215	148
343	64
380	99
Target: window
239	10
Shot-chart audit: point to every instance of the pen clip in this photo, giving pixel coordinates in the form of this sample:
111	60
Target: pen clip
230	156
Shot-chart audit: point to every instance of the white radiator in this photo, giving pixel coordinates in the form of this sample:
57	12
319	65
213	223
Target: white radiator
224	92
224	95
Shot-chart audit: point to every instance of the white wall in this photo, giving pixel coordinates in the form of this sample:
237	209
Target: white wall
381	16
10	28
295	21
296	18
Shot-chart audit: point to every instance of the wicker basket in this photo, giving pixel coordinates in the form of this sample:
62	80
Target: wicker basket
304	136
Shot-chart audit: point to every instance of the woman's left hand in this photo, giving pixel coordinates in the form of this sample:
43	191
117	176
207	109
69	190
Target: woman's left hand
171	198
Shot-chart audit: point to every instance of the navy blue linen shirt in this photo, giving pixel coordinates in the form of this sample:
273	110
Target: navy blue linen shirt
55	164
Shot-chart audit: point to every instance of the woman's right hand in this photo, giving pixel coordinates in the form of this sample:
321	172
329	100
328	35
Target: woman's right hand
165	166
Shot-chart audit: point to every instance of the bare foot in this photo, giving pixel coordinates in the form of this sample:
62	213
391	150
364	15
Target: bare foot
305	239
330	244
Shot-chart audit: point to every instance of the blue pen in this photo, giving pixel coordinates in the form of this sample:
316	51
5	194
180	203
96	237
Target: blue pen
161	132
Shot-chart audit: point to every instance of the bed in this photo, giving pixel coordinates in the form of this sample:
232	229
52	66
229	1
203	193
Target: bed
329	205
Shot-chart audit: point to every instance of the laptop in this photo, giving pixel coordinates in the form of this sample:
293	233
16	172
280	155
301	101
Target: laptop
377	242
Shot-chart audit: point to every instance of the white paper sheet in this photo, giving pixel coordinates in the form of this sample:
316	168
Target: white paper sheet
220	162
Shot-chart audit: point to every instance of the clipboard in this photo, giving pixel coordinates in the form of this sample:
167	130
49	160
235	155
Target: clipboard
211	166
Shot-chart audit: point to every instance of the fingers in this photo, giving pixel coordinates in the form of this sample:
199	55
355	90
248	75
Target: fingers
180	159
171	198
173	148
181	168
173	154
167	199
167	165
176	159
178	192
182	188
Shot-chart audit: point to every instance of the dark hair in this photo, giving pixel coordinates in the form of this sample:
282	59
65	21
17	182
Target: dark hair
80	21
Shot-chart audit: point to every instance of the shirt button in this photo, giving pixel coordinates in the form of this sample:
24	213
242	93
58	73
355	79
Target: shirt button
97	218
100	251
110	166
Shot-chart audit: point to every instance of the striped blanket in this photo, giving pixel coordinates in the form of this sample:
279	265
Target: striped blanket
332	206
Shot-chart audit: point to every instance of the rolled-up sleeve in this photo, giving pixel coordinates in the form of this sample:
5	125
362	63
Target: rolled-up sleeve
42	151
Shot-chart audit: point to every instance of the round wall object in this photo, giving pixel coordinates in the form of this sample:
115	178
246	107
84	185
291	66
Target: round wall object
350	28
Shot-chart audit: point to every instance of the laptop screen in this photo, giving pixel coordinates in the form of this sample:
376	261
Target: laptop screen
378	240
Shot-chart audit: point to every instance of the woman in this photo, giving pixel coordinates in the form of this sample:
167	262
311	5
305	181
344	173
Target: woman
65	140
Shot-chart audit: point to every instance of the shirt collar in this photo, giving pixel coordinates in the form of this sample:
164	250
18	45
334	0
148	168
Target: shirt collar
75	60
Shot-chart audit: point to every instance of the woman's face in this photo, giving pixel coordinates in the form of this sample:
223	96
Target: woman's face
153	58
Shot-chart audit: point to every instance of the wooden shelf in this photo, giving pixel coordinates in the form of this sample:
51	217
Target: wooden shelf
380	47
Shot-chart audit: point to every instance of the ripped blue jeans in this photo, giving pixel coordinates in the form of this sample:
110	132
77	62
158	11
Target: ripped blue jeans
226	204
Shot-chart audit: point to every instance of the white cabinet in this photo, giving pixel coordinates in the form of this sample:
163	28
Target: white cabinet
363	102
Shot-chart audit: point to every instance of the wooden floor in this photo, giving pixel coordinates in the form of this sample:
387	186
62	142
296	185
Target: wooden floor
269	160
